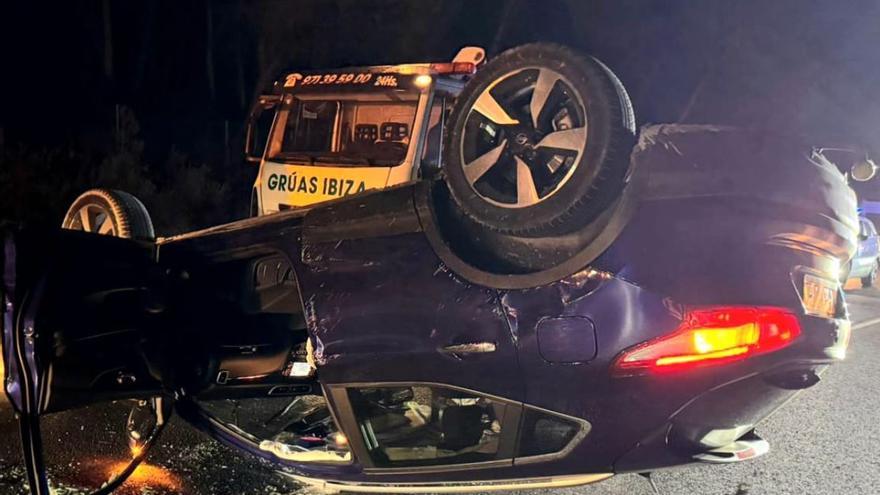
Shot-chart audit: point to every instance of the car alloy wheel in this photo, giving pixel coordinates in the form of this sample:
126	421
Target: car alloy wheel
109	212
524	163
538	142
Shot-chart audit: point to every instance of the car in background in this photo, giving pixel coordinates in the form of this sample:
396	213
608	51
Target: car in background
866	262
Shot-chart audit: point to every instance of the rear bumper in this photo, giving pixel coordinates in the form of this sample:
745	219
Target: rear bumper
725	413
727	217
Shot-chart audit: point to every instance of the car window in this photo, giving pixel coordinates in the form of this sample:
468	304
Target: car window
297	429
427	425
544	433
365	130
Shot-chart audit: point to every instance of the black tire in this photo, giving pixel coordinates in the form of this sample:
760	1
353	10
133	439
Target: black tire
566	188
109	212
871	278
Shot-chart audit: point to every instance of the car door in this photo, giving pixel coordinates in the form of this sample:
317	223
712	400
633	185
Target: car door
398	340
383	308
77	313
286	316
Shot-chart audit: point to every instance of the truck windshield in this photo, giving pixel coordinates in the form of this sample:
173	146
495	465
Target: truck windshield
345	129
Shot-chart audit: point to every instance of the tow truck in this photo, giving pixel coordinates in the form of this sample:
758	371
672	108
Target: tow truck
346	131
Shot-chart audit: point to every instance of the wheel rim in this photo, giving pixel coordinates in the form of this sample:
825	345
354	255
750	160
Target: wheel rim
93	218
524	138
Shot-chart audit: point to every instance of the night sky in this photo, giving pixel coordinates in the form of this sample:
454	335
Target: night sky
187	71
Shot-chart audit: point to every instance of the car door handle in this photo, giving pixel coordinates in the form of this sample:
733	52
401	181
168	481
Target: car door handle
470	348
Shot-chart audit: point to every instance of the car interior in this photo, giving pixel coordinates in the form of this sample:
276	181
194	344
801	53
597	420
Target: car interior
248	330
424	425
385	142
256	375
299	429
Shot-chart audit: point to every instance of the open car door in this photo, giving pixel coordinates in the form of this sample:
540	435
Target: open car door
79	319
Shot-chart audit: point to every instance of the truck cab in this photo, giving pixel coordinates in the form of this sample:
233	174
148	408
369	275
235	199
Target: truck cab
346	131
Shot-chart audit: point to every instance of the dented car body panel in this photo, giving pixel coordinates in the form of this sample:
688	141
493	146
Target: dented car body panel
371	296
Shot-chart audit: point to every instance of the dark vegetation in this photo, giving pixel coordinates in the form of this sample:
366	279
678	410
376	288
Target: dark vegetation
39	183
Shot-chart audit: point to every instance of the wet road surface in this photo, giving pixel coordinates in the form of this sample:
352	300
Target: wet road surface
825	441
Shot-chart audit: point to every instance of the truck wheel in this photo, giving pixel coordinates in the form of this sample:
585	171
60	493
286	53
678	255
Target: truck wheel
539	141
109	212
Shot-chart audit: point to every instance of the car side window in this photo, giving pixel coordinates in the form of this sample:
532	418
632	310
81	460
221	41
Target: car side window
297	429
544	433
427	425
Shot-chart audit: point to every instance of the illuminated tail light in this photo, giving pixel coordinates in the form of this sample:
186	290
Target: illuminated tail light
712	336
454	68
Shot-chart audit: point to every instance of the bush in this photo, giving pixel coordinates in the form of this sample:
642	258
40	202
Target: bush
38	184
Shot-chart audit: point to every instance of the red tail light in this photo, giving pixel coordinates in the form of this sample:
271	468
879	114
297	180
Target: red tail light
712	336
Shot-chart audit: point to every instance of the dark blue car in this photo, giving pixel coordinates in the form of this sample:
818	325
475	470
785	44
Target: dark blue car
374	344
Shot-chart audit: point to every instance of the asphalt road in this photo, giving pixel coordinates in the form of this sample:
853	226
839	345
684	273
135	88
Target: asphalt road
826	441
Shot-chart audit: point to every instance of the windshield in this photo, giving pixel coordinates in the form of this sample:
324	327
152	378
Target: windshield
345	129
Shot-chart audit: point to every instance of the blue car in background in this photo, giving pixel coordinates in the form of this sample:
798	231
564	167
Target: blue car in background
864	265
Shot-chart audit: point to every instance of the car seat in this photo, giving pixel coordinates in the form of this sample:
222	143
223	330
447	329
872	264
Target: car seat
392	142
366	133
394	131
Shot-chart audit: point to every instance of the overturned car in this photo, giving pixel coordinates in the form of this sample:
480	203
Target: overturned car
404	341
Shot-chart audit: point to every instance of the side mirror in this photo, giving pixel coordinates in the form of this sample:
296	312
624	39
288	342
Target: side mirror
258	126
863	170
251	153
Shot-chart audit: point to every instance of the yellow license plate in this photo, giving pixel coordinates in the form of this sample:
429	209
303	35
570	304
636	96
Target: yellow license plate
820	296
